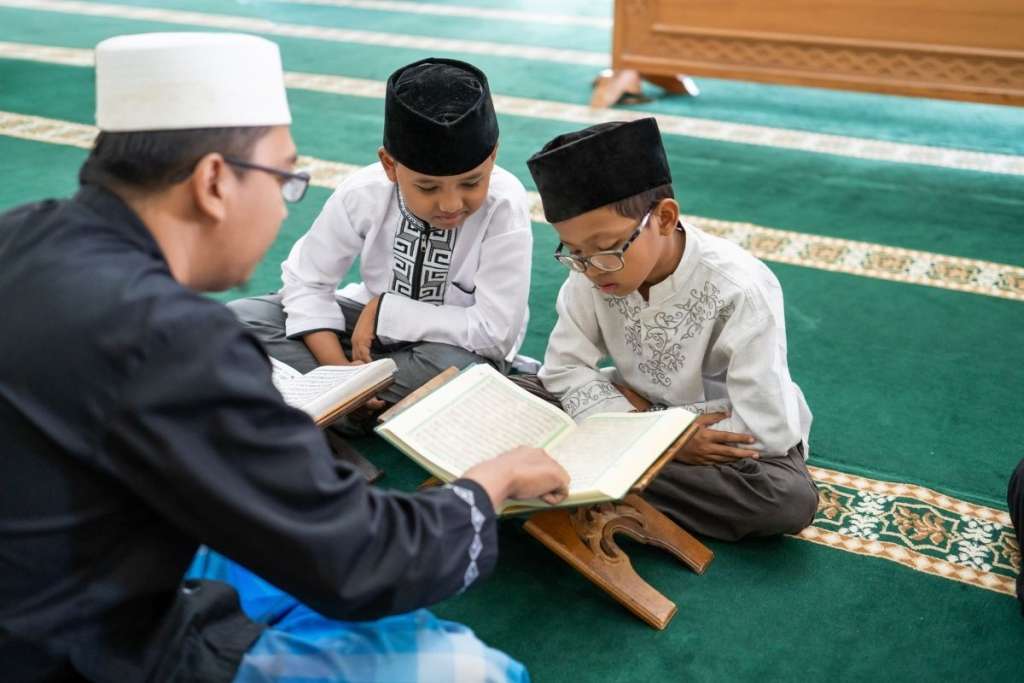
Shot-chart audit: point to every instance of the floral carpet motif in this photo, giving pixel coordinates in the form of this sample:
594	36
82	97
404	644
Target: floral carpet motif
916	527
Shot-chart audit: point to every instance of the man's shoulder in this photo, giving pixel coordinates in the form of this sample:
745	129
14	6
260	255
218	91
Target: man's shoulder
75	263
24	212
180	316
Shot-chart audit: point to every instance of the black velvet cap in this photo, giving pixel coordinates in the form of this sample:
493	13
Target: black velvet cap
590	168
438	117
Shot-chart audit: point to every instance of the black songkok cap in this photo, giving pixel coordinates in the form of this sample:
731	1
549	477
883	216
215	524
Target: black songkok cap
439	118
590	168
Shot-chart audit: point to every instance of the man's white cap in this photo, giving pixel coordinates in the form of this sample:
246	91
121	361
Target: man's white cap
173	81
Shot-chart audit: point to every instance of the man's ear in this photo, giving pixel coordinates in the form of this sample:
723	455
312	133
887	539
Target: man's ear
209	183
389	164
666	213
494	152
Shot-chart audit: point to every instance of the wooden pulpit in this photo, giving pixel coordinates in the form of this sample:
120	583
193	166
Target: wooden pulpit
955	49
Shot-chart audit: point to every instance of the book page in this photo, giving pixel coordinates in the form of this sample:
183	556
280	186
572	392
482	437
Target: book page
330	382
667	426
281	370
598	444
466	425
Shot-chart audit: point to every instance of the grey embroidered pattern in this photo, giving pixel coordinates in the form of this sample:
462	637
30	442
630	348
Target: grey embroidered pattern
595	391
721	405
658	342
631	313
477	519
415	240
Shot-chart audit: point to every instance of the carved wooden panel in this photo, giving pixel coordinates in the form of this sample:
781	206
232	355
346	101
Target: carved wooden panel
959	49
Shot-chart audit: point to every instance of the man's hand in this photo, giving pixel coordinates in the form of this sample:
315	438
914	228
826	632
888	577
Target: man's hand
711	447
365	331
519	474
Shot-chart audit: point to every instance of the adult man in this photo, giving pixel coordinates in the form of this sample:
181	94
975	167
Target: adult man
140	421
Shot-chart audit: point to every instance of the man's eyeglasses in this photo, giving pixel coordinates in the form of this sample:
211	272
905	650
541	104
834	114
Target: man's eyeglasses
607	261
294	186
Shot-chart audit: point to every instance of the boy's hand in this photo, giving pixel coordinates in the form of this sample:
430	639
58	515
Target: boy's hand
711	446
521	473
326	348
640	404
365	332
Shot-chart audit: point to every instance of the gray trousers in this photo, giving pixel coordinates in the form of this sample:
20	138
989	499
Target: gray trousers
746	498
417	362
742	499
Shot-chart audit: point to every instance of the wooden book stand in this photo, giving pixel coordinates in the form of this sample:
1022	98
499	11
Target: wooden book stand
342	409
339	446
585	536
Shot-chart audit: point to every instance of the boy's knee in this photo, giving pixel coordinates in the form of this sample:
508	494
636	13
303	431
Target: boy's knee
441	356
792	511
257	310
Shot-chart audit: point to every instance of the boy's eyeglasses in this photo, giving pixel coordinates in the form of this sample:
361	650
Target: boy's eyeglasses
294	186
607	261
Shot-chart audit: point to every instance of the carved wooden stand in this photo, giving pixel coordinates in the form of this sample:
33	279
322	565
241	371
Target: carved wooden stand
612	85
344	452
585	538
340	448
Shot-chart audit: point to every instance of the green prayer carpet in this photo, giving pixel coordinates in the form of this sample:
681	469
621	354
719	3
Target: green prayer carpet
908	384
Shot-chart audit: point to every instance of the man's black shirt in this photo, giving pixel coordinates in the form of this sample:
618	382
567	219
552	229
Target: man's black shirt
138	421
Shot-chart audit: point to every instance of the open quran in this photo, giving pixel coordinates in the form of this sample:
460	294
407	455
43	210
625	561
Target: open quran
480	414
330	391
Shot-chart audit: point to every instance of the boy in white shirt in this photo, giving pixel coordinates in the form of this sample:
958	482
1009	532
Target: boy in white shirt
443	238
688	319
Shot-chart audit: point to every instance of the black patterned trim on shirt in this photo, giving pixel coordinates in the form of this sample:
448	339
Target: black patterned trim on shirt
423	257
595	391
477	519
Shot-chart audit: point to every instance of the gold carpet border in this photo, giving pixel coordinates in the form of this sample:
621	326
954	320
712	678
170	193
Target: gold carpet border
335	35
926	495
407	7
772	244
921	563
916	527
876	261
706	129
49	54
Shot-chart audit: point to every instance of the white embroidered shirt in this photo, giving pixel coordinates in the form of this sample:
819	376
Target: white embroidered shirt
467	287
711	337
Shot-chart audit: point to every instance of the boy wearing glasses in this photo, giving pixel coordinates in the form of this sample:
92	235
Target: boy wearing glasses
688	319
443	239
